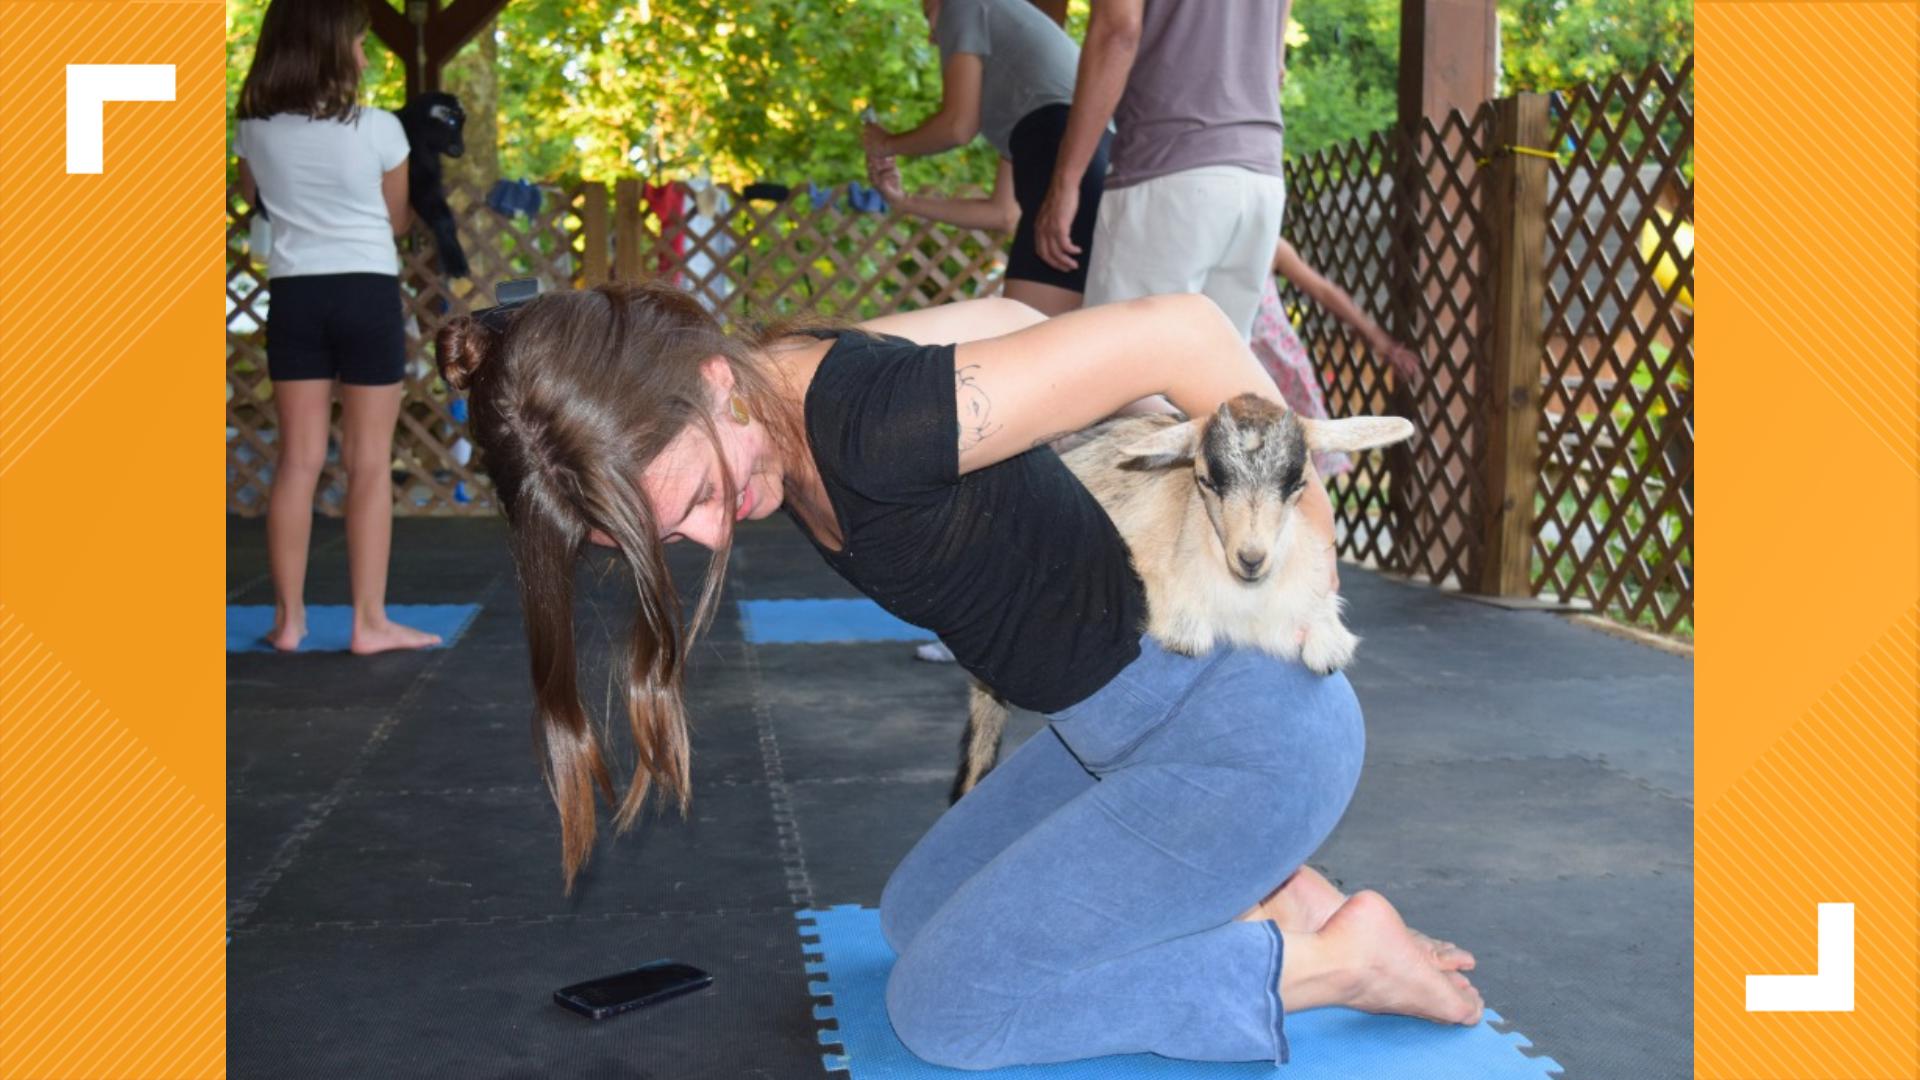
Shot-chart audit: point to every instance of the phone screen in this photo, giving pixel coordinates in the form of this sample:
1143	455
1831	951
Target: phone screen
644	985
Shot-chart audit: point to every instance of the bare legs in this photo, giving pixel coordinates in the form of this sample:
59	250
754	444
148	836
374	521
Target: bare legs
304	407
1048	300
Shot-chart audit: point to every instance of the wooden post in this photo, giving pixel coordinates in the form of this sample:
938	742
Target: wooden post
629	238
593	222
1516	220
1447	63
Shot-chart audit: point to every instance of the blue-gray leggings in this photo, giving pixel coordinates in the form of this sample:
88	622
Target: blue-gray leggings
1081	901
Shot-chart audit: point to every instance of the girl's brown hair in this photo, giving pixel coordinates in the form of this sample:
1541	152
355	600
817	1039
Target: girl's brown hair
304	62
569	402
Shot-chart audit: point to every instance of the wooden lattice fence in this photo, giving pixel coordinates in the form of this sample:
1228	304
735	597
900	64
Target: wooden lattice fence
808	253
1555	448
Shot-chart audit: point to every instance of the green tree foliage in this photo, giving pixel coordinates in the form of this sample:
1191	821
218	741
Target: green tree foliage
773	89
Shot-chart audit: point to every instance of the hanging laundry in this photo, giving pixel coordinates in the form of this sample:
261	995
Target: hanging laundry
766	192
714	245
820	196
668	203
865	199
510	197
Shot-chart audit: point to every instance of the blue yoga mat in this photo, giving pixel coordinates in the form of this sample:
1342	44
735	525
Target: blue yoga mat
787	622
330	626
845	947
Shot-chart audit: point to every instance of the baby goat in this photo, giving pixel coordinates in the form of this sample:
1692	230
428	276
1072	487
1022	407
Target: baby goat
1207	510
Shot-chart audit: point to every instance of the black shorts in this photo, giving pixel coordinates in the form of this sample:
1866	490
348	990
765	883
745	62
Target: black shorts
1035	143
344	326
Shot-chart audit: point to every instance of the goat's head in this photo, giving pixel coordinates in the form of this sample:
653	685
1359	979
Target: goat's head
1251	460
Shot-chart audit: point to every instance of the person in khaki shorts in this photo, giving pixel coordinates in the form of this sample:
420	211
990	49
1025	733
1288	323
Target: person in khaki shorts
1196	192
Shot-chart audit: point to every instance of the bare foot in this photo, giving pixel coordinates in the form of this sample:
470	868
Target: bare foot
1304	902
287	632
387	636
1377	965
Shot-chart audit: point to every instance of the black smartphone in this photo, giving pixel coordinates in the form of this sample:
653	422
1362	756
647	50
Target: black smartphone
648	984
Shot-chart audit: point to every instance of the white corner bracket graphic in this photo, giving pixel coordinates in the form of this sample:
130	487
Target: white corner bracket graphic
1828	990
89	88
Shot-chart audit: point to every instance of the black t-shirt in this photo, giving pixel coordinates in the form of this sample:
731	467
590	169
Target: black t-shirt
1015	566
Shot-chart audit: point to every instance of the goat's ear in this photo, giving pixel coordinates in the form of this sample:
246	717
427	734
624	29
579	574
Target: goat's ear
1357	433
1166	448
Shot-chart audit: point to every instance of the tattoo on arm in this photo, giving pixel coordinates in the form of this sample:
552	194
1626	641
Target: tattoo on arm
975	408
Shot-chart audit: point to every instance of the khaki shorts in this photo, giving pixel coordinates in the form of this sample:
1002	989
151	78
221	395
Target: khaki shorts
1210	230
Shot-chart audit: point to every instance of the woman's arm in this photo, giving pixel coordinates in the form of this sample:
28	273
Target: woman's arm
393	188
1288	264
957	122
1067	372
953	324
248	189
1055	376
1113	42
996	213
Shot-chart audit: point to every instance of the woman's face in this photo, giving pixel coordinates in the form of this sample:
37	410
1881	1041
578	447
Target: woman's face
686	484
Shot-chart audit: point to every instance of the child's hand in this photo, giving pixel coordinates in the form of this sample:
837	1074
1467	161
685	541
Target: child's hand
884	175
874	138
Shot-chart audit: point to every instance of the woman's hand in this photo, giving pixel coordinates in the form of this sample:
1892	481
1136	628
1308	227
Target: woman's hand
1053	229
884	174
875	139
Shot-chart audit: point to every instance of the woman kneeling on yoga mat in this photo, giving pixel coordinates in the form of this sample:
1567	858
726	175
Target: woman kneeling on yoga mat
1131	879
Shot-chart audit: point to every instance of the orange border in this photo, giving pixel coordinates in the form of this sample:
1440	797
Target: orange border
111	752
112	748
1808	215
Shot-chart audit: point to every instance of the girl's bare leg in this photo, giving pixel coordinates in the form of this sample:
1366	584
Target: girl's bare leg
368	417
1048	300
304	407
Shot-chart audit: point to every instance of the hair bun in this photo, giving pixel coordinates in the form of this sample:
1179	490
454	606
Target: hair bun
463	345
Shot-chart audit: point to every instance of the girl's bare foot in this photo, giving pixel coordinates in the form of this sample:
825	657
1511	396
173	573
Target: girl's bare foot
1365	958
385	636
288	631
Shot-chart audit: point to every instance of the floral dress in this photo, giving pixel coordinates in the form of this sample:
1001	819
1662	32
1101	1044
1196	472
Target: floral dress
1285	358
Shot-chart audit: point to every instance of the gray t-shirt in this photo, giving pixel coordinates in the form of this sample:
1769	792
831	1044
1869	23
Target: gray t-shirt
1026	61
1204	90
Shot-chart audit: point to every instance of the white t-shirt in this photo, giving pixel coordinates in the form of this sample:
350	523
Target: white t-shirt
320	180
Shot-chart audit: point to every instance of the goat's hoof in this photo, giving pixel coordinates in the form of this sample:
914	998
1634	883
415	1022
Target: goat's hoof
1325	654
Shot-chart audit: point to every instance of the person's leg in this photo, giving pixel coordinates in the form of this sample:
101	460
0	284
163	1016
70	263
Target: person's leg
302	372
303	408
1244	268
1152	238
370	339
1034	781
1110	926
1048	300
368	415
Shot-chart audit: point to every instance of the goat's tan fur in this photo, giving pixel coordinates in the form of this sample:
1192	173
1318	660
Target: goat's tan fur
1150	475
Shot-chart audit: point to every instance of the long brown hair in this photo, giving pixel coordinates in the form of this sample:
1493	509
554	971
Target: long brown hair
304	62
568	404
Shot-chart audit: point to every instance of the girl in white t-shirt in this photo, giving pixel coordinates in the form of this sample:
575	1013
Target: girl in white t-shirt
332	176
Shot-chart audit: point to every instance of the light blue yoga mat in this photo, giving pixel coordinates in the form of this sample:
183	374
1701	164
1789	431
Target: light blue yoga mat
788	622
845	949
330	626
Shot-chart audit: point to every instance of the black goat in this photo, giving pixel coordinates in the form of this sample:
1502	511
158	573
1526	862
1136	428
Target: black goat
435	124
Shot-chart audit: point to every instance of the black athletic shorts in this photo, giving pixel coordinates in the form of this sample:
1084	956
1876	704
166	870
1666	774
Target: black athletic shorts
1035	143
344	326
